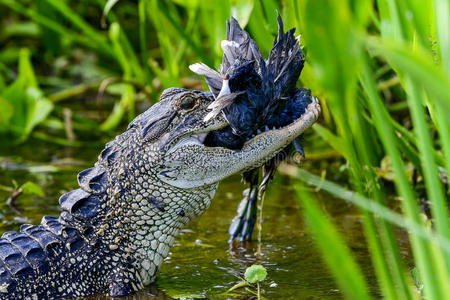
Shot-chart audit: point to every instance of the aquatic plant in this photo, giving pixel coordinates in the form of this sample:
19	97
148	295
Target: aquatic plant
253	274
22	103
256	274
369	62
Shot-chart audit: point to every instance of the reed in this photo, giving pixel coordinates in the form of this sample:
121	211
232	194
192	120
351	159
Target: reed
347	44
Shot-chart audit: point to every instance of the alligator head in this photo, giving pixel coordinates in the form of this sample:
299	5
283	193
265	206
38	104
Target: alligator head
176	128
186	162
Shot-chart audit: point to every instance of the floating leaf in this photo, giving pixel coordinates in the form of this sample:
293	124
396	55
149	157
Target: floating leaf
255	273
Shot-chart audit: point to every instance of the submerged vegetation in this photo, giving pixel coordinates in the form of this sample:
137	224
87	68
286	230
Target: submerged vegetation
75	73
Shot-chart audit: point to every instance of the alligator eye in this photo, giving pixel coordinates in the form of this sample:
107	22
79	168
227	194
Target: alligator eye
187	103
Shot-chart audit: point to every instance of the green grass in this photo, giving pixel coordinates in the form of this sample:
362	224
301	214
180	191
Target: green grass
347	42
380	68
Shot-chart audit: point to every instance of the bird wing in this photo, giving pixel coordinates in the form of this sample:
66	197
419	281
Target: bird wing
212	77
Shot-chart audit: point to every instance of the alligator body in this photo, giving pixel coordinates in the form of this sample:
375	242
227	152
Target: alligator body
115	230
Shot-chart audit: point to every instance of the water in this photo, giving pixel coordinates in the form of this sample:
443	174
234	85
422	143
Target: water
202	263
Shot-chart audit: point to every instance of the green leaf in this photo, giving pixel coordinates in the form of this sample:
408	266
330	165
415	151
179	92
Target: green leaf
114	117
31	188
190	4
373	207
260	31
255	273
15	95
242	10
416	277
108	6
418	65
38	108
26	69
6	112
335	141
21	29
237	286
23	103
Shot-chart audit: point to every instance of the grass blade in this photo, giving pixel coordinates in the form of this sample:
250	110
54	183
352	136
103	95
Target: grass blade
345	270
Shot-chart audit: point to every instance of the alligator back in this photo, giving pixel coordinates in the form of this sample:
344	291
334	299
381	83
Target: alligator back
46	261
61	257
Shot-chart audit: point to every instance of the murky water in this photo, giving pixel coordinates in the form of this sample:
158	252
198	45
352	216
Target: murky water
201	264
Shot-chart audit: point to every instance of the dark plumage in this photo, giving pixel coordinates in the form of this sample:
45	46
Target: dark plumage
262	93
255	95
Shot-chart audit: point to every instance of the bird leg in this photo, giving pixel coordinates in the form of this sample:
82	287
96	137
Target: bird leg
242	225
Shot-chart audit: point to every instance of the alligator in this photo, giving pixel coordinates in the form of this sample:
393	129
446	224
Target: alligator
115	230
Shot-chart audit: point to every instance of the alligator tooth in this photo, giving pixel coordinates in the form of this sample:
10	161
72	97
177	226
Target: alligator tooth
274	128
258	131
266	128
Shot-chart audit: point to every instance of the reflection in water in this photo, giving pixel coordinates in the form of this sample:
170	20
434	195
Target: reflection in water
202	263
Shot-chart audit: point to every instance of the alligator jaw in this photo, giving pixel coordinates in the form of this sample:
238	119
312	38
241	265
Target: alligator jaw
189	139
190	164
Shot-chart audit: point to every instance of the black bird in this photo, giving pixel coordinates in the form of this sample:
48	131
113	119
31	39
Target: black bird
255	95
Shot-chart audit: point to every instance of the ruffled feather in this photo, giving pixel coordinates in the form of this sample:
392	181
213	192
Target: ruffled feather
254	94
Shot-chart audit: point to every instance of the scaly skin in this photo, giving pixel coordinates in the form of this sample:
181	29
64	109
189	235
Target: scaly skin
149	182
